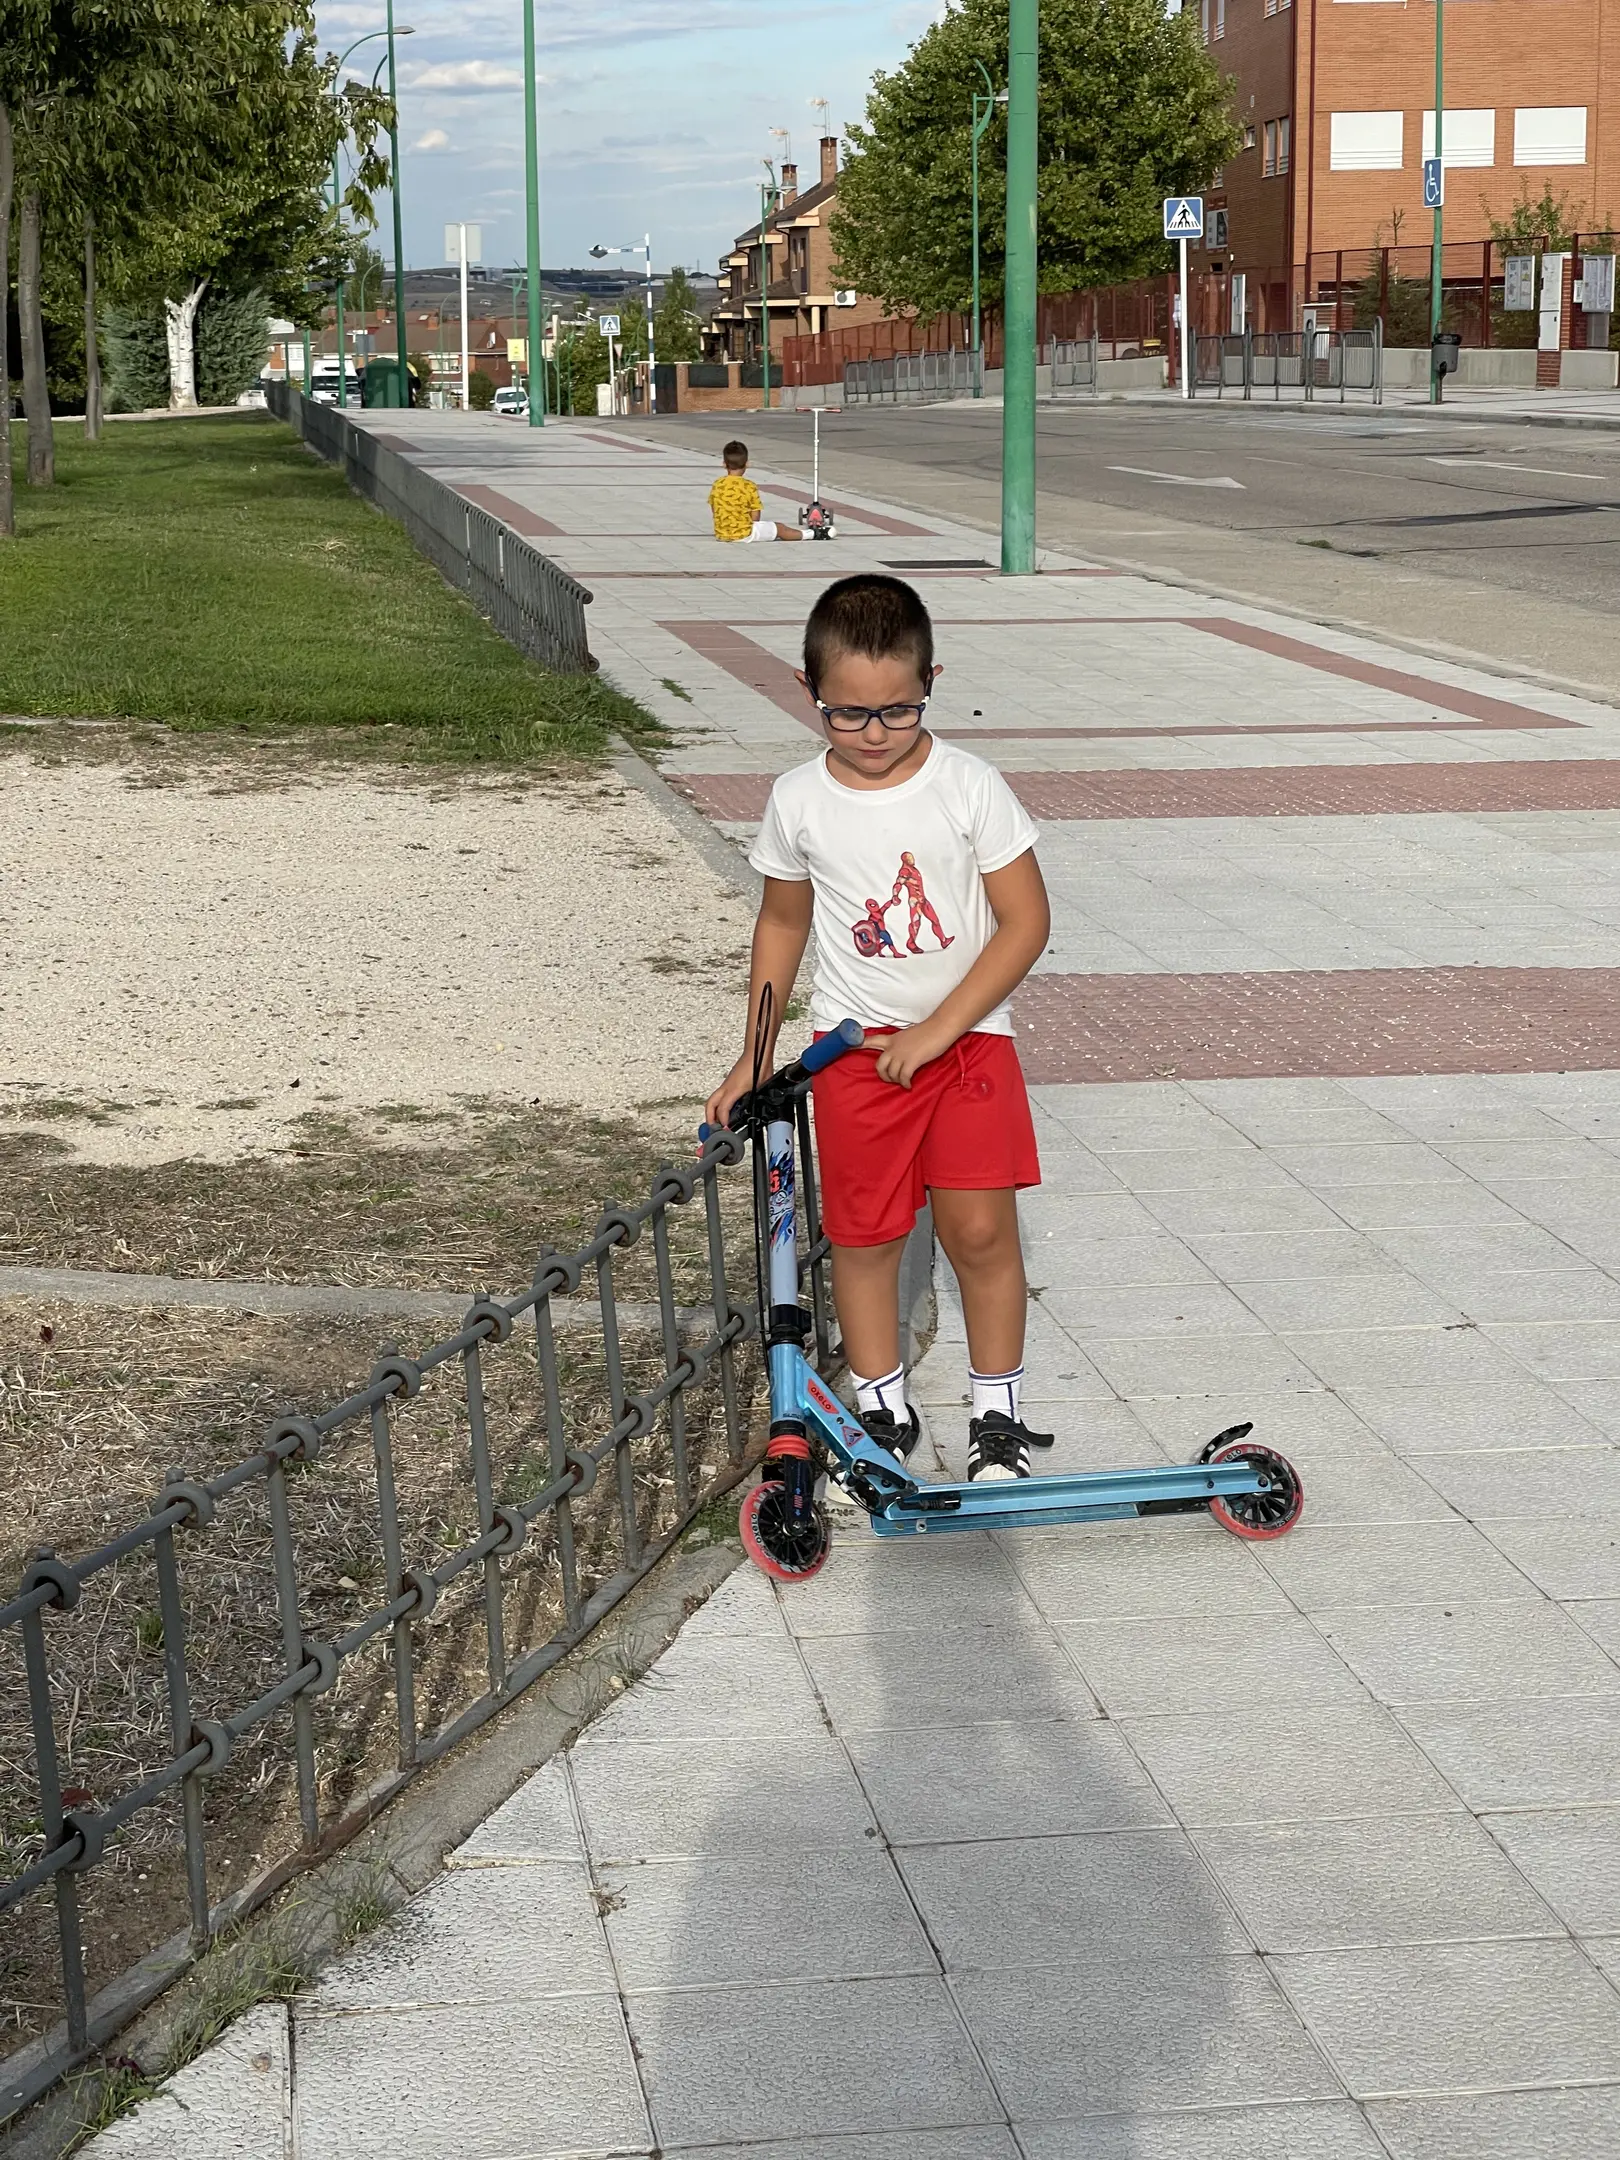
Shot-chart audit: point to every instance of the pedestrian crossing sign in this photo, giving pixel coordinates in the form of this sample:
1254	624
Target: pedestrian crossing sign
1184	217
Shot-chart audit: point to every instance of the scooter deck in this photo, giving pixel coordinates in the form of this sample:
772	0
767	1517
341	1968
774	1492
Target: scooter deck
1064	1497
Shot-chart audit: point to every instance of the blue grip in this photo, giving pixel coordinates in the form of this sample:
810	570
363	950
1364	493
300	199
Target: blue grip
847	1035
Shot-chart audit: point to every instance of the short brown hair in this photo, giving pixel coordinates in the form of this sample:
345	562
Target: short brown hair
735	455
879	617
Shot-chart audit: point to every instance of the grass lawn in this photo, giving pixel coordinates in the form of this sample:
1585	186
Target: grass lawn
211	574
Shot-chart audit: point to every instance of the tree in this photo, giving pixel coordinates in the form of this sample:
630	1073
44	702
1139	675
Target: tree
1529	226
233	339
8	525
480	390
137	359
678	325
366	285
1132	109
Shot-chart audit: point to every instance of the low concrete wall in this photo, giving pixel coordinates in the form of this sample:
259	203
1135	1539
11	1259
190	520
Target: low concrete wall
1588	370
1150	373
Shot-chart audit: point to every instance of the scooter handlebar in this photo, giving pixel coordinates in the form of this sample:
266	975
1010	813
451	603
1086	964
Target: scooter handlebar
847	1035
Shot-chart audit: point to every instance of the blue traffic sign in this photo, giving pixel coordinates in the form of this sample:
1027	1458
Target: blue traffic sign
1434	183
1184	217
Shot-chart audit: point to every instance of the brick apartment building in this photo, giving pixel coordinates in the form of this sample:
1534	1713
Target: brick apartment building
794	259
1336	98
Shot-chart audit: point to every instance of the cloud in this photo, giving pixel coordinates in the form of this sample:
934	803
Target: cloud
473	75
434	139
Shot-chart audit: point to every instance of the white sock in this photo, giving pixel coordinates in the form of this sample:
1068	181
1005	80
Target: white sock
888	1392
997	1391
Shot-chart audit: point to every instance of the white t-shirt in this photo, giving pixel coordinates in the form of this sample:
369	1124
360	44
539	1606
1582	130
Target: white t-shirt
901	912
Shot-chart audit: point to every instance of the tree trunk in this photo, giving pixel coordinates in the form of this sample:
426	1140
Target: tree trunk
36	395
180	317
92	348
8	522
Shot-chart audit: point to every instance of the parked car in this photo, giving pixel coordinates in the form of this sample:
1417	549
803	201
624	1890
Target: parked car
513	403
323	382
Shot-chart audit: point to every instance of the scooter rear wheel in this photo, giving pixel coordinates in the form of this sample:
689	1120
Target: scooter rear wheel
1261	1514
791	1552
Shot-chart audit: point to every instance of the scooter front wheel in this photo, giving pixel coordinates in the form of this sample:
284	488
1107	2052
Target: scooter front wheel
789	1551
1269	1514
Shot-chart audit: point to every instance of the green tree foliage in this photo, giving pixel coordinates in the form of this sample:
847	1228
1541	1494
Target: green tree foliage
1551	222
136	348
480	390
1131	109
678	324
366	286
233	342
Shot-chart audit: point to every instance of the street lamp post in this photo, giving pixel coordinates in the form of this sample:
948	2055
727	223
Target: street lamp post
641	247
985	102
399	219
337	193
531	184
1018	306
770	195
1435	272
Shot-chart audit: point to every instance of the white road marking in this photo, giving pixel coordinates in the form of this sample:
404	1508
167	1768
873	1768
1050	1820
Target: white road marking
1173	479
1538	472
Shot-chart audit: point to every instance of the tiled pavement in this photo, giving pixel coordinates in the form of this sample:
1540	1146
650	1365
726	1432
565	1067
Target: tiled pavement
1130	1843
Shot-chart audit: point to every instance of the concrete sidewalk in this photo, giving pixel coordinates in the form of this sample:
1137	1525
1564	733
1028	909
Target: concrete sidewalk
1134	1842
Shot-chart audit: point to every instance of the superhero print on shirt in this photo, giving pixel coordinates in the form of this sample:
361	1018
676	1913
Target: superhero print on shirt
873	940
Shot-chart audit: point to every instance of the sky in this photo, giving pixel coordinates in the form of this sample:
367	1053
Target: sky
654	114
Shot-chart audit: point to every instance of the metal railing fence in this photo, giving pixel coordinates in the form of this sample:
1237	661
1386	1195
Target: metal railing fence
542	1552
1311	363
909	378
1074	366
532	603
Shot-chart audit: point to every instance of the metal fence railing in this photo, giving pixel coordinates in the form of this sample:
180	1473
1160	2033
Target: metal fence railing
575	1437
1074	366
1307	363
532	603
909	378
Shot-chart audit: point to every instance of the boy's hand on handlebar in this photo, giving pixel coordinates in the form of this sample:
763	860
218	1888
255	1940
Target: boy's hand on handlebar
904	1055
730	1092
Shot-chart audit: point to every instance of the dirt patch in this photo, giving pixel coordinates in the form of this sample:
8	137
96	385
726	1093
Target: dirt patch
402	1197
196	961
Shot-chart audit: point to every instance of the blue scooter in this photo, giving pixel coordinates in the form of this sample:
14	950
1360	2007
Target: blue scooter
1250	1490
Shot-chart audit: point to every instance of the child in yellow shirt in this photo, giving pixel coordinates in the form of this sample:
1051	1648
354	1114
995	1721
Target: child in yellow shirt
735	504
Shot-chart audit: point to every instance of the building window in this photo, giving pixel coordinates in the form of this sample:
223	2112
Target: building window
1284	129
1470	137
1269	164
1366	141
1271	7
1248	135
1203	21
1548	135
1220	18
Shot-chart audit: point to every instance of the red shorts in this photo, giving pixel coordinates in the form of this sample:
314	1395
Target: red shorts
963	1125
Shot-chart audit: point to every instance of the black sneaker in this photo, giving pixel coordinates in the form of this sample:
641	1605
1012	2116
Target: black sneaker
883	1427
999	1448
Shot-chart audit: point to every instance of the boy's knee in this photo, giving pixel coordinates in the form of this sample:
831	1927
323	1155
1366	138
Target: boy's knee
980	1238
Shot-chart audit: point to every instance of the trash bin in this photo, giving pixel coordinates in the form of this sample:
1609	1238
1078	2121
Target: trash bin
379	383
1446	346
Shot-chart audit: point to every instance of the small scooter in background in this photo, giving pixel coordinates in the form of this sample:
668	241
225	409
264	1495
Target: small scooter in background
816	519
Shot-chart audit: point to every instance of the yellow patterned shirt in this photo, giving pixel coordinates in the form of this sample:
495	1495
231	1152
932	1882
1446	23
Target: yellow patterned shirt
735	502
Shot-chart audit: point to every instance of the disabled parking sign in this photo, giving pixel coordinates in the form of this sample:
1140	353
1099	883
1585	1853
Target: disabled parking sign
1184	217
1434	183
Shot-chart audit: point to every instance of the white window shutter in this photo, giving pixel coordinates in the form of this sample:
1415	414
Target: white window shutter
1470	137
1366	141
1549	135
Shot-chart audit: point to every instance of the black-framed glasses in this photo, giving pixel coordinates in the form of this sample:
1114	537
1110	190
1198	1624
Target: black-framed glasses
852	719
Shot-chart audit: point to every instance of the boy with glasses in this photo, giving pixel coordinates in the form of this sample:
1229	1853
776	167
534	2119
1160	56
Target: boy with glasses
934	1107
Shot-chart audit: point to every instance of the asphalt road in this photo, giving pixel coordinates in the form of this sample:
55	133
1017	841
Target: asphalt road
1480	535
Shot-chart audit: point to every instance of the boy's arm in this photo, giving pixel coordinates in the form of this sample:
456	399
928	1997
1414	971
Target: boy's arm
1017	894
781	932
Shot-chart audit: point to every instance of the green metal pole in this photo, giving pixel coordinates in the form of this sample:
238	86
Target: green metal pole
1436	385
1019	285
337	206
986	99
399	223
767	203
531	182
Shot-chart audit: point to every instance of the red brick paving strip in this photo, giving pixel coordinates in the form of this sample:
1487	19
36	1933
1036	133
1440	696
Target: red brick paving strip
1338	1023
1257	791
522	520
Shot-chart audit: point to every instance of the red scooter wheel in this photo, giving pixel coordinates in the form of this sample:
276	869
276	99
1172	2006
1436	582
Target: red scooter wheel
1269	1514
791	1552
